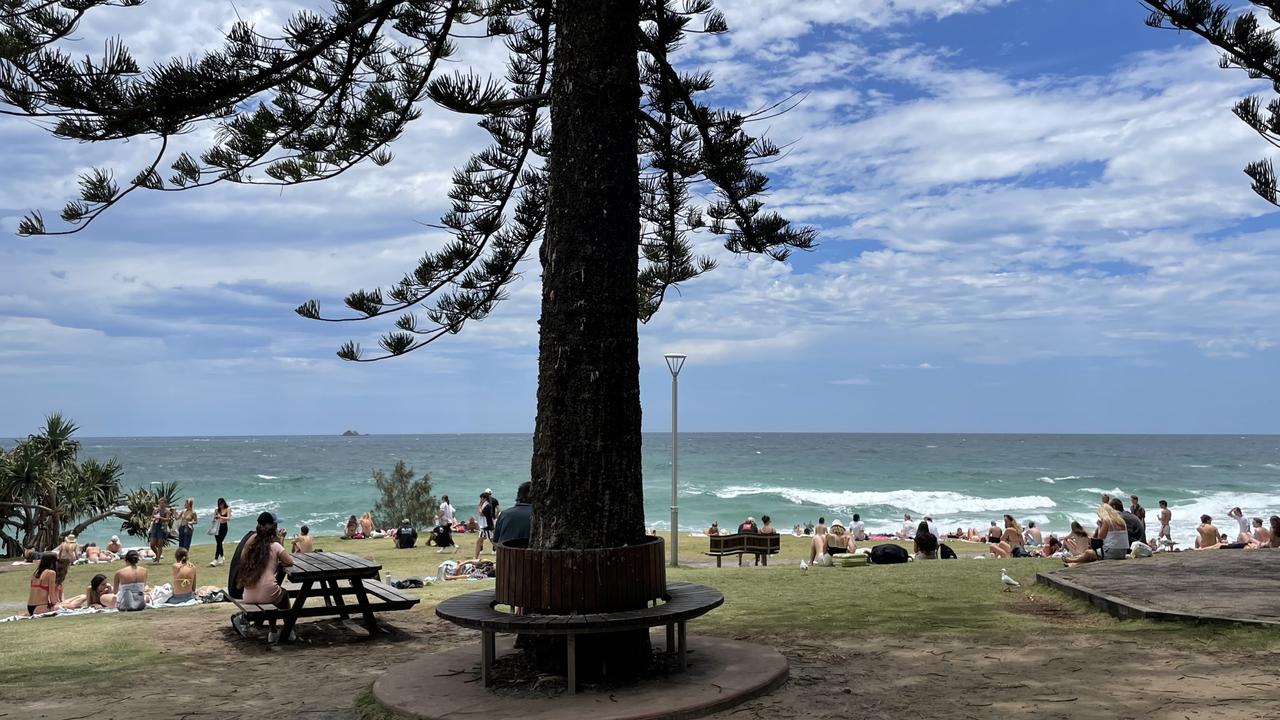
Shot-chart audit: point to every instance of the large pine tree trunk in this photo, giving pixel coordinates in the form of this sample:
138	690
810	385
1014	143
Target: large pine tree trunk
587	484
586	445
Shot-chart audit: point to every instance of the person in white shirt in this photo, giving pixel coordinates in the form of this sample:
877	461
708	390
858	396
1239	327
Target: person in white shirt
1238	515
857	528
446	514
908	530
933	528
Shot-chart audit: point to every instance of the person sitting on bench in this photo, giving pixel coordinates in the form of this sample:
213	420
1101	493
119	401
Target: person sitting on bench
261	557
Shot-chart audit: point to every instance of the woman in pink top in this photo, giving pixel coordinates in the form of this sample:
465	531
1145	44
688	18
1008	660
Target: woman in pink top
263	558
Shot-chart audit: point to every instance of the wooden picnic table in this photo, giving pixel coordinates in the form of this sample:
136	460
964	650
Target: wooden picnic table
333	577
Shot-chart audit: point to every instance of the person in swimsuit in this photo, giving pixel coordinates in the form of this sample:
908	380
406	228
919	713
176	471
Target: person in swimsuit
45	593
131	584
994	533
159	535
1077	542
767	527
184	579
835	540
1274	521
1010	543
222	516
1166	533
187	524
352	531
305	542
1207	535
367	526
114	547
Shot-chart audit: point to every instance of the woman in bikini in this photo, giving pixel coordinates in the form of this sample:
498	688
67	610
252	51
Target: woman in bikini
187	524
45	593
1010	544
184	579
131	584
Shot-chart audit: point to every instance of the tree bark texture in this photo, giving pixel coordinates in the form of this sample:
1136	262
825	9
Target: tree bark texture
586	474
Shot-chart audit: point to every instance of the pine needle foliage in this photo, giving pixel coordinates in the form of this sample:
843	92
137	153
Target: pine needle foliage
332	90
1248	43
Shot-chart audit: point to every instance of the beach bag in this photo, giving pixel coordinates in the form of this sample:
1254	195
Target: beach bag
889	554
946	553
213	526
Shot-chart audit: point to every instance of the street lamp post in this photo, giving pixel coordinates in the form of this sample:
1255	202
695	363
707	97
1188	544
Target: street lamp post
675	361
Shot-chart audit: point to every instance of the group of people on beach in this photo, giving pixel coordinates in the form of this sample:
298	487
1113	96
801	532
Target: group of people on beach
488	510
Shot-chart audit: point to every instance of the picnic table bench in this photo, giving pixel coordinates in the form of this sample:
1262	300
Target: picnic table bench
334	577
758	544
682	602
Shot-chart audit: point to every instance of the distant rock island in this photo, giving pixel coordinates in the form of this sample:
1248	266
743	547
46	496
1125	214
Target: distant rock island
352	433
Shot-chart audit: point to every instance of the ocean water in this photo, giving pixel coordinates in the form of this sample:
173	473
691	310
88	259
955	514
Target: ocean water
962	480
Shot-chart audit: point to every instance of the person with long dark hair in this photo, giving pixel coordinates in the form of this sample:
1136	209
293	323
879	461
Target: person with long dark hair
45	593
222	516
159	534
98	595
925	543
131	584
262	558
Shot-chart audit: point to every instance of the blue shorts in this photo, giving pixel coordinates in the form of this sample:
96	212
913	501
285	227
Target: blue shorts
158	532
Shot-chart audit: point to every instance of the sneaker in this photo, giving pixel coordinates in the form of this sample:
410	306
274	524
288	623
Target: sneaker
272	636
241	627
213	563
440	550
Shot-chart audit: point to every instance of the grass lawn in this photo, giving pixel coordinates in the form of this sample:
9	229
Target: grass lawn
961	600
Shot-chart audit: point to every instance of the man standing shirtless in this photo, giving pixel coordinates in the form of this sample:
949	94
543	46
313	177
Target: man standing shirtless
1165	517
1209	537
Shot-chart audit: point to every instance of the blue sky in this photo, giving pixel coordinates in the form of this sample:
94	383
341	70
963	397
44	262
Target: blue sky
1033	219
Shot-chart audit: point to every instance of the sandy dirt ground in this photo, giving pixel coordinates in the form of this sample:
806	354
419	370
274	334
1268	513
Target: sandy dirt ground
1090	677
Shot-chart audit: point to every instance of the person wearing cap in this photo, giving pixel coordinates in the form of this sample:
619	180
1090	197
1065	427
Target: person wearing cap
749	526
836	540
233	570
68	553
488	509
406	535
263	562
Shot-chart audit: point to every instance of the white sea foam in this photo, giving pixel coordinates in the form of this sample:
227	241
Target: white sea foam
1046	480
1197	466
268	477
939	501
1273	466
1113	492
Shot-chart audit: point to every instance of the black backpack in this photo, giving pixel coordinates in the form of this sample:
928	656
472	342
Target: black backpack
888	554
946	553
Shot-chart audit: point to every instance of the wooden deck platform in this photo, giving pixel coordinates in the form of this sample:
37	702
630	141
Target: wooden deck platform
1203	586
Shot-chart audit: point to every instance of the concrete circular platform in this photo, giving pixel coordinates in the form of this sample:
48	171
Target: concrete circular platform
721	674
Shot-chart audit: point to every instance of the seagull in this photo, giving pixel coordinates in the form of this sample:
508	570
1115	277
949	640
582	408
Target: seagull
1009	583
804	565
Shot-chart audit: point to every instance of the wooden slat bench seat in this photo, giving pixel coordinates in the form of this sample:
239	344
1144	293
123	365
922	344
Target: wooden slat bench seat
757	544
684	601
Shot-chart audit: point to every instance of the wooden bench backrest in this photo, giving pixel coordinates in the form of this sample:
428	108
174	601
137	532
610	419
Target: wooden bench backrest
745	542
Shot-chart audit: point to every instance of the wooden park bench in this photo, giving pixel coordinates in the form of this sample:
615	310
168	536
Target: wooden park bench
682	602
762	546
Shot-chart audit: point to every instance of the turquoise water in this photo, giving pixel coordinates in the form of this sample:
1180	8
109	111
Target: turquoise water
962	480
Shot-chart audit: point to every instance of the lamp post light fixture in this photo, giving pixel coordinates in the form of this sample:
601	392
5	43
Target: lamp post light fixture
675	361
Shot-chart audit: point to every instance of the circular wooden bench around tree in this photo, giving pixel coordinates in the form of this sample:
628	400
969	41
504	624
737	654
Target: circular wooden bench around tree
680	603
